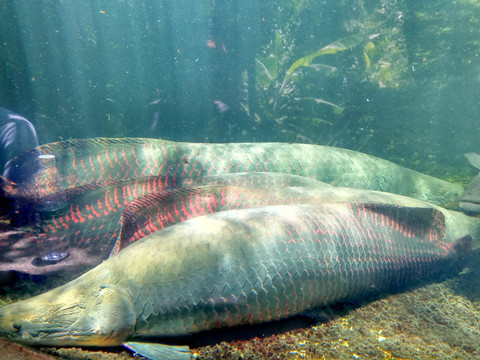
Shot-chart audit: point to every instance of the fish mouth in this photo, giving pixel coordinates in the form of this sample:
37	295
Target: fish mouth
46	336
33	330
34	334
470	207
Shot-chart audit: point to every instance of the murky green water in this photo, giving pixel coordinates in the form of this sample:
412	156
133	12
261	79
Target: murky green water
406	87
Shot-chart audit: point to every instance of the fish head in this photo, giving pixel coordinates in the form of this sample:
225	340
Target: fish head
470	199
70	316
447	197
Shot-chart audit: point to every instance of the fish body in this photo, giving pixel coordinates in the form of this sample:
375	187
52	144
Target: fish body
92	180
90	228
239	267
154	212
82	162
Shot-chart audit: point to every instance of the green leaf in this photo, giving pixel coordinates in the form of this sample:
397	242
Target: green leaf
337	110
333	48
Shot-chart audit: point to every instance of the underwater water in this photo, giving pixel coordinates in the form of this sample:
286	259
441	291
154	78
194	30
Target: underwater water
403	86
397	79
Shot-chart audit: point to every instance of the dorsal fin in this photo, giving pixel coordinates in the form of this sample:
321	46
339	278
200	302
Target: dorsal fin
419	220
154	212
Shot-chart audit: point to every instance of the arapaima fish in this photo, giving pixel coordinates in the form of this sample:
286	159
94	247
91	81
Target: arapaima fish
97	160
78	188
239	267
90	226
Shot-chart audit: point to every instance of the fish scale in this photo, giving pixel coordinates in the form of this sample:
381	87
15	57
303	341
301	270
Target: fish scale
269	263
84	161
91	220
156	211
153	212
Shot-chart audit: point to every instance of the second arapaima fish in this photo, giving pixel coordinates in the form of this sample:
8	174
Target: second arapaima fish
82	233
89	238
86	161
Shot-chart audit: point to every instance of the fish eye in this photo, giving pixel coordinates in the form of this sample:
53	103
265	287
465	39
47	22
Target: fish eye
17	326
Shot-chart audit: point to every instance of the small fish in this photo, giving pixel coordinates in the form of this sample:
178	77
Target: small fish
50	259
211	44
221	106
154	102
154	124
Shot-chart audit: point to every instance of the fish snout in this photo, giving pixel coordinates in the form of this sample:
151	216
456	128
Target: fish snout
24	330
471	208
102	317
470	202
470	199
22	322
14	327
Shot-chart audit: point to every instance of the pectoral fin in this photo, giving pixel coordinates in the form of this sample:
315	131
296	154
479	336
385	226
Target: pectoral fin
474	159
155	351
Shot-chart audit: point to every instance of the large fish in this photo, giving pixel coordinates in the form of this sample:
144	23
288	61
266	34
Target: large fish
83	185
239	267
154	212
82	162
88	230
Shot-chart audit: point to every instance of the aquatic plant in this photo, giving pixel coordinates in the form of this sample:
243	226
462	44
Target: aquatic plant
291	93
